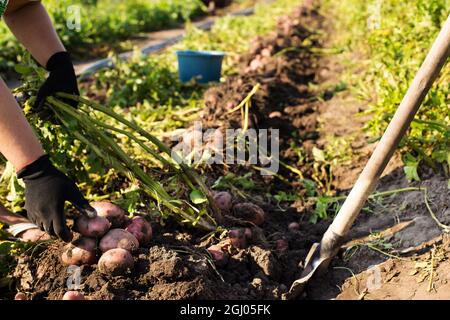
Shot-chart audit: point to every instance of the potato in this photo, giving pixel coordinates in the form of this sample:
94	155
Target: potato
249	212
219	256
115	214
223	200
73	295
141	229
115	262
34	235
237	238
282	245
119	238
248	233
92	227
79	252
20	296
255	64
294	226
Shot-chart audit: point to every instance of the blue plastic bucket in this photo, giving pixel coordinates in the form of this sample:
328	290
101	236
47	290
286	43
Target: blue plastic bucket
205	66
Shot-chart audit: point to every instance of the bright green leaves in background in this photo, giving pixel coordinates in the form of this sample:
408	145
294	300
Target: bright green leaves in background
102	24
393	50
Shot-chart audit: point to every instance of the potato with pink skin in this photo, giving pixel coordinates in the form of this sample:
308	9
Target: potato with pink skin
115	214
20	296
115	262
282	245
249	212
34	235
79	252
294	226
119	238
248	233
223	200
92	227
73	295
238	238
219	256
141	229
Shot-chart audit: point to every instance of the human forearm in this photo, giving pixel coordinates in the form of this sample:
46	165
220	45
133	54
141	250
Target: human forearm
18	142
32	26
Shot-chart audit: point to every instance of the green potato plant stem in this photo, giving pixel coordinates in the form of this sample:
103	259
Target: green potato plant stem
96	135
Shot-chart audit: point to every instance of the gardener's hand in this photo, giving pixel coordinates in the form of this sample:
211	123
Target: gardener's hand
61	78
46	190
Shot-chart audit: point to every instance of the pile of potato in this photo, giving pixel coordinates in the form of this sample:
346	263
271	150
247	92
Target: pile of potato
111	235
236	238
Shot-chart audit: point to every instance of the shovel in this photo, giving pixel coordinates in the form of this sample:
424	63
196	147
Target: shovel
321	254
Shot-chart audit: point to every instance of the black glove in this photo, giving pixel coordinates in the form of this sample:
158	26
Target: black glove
61	78
46	190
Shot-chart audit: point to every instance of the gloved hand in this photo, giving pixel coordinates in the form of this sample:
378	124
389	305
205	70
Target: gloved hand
61	78
46	190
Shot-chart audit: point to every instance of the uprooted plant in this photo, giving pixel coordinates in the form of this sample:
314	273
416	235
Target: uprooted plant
103	137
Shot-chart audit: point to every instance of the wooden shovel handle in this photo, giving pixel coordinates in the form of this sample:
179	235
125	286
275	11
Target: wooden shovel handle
405	113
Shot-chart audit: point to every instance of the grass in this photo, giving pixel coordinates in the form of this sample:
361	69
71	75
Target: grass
104	23
383	45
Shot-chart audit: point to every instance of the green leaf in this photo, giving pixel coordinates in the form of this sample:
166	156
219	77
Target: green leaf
440	155
23	69
310	187
197	197
410	167
411	173
318	154
320	211
282	196
245	182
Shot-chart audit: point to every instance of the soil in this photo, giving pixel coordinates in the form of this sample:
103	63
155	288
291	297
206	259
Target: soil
422	277
177	266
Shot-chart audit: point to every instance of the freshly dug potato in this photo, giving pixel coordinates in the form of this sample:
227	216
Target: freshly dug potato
119	238
73	295
249	212
115	262
282	245
220	257
248	233
79	252
294	226
20	296
92	227
34	235
115	214
223	200
237	238
141	229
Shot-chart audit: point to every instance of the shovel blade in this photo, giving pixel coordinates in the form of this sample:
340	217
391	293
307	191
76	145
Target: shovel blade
316	262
